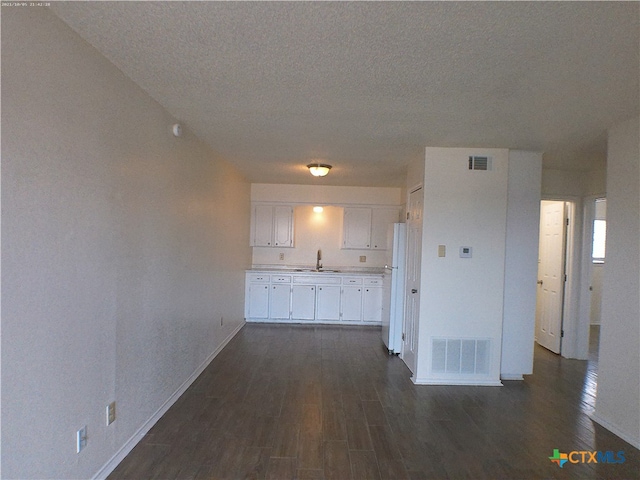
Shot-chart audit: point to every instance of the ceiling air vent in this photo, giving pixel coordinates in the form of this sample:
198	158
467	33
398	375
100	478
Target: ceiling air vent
479	163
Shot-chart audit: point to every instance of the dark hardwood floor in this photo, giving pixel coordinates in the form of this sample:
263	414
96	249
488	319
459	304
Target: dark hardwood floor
314	402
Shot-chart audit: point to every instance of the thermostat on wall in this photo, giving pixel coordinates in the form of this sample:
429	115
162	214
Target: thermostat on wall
465	252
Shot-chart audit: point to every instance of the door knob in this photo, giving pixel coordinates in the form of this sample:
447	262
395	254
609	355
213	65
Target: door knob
413	290
539	282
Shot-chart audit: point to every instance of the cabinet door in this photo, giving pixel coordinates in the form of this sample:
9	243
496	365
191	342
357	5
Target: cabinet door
372	301
351	304
283	226
381	218
328	303
279	301
356	228
262	226
258	301
303	302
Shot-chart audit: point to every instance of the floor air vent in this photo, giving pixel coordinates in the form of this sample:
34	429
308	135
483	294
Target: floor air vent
460	356
479	163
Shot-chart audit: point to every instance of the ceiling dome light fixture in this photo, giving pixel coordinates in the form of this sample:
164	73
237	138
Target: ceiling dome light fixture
318	169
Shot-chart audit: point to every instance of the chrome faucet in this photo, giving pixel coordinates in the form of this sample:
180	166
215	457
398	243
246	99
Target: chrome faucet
318	258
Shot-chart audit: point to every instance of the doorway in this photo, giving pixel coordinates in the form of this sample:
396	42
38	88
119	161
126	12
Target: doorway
552	274
598	250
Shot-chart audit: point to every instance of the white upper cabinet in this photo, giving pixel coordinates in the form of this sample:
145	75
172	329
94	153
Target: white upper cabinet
272	226
366	228
356	228
380	220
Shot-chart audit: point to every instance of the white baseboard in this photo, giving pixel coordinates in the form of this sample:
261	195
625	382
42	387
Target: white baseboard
477	383
635	441
110	466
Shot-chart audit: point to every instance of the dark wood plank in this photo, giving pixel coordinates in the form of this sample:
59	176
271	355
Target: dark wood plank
374	413
364	465
281	468
358	435
337	465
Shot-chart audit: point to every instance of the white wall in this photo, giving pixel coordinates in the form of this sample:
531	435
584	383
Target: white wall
313	231
618	400
462	298
116	268
560	184
521	263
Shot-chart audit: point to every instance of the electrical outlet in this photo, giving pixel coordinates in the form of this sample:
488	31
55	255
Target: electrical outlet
282	256
363	258
111	413
81	439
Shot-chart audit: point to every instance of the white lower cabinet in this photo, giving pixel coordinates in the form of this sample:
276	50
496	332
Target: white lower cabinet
351	303
328	303
280	301
258	301
314	298
303	302
372	304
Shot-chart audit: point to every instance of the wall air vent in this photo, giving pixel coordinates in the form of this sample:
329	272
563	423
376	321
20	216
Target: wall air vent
479	163
460	356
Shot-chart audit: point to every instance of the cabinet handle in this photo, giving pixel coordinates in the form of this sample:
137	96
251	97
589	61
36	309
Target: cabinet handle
413	290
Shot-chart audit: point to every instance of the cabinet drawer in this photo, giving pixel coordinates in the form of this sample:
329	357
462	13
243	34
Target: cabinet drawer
258	278
352	281
322	280
373	281
306	280
281	278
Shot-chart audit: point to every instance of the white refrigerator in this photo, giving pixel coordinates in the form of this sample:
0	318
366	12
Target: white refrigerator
393	315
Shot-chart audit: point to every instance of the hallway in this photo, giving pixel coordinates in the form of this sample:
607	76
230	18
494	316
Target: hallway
287	401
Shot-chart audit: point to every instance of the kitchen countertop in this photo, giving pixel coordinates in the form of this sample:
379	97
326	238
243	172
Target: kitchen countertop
304	269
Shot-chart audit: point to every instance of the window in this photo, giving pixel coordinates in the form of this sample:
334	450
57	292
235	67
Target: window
599	232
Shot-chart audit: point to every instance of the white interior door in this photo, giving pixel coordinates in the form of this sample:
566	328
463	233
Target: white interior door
551	275
412	283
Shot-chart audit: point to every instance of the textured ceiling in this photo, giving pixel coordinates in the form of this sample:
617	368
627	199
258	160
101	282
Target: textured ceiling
366	86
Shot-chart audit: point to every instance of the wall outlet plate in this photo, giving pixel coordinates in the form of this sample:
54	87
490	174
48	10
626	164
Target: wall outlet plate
466	252
111	413
363	258
81	439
